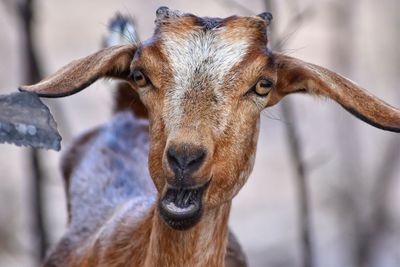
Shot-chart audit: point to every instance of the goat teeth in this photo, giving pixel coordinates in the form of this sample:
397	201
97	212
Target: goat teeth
175	209
187	197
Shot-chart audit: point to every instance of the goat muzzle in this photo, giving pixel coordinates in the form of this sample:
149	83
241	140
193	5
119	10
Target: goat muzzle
182	208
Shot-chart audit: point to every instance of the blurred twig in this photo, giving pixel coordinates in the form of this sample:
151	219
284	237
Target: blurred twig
295	149
379	220
303	193
295	23
369	222
32	75
352	195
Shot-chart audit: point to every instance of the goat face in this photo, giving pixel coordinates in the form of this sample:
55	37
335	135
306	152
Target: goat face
204	82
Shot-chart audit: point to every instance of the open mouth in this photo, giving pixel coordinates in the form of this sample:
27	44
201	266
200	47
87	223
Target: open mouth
182	208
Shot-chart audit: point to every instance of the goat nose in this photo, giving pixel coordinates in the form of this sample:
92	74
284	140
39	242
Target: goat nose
185	159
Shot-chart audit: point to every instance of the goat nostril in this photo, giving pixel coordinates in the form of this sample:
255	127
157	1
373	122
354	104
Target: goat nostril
185	158
173	159
196	158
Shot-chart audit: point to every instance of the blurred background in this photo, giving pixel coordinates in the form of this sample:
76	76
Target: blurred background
325	190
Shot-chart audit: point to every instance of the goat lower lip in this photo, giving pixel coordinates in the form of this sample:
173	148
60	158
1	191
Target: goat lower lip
182	208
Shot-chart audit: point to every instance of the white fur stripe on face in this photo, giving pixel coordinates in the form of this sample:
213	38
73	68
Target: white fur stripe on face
197	56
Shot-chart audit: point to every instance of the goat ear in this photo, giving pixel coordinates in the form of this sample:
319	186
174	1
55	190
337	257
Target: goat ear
295	75
111	62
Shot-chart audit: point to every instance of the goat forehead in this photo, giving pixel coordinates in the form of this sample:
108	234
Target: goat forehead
206	49
200	61
203	50
202	54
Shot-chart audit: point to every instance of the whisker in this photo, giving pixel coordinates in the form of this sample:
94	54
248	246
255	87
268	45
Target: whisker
270	115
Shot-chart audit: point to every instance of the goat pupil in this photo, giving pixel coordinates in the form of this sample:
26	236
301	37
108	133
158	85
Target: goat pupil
266	84
138	77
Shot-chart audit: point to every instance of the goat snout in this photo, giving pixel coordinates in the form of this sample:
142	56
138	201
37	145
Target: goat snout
187	180
185	159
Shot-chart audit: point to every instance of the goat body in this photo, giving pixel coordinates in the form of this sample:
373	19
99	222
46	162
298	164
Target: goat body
112	200
202	83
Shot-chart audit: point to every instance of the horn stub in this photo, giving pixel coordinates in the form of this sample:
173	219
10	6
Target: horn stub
164	12
267	16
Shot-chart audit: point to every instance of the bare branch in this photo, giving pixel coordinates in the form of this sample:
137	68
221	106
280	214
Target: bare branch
303	194
292	27
33	74
292	137
379	219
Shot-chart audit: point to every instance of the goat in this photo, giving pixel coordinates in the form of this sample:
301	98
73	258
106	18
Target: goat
199	86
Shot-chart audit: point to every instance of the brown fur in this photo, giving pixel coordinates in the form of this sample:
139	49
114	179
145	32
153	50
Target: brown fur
201	73
300	76
126	98
121	239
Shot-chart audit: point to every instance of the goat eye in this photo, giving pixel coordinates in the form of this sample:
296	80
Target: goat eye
139	78
263	87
